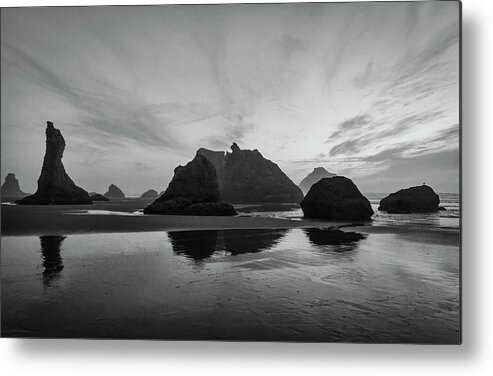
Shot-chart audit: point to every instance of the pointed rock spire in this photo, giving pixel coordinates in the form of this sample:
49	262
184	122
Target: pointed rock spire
54	185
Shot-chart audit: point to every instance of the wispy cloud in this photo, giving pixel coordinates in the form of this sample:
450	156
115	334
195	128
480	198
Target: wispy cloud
350	86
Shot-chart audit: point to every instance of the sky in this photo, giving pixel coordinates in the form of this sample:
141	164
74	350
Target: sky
366	90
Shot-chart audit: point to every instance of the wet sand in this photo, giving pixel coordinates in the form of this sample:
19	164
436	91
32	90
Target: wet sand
66	219
254	285
119	274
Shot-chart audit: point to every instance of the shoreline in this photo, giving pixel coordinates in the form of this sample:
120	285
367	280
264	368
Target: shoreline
17	223
41	220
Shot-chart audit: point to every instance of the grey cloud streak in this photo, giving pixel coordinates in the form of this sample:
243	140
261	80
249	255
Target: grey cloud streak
141	88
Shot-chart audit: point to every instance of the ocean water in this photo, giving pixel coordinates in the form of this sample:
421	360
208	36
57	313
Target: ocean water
269	284
448	219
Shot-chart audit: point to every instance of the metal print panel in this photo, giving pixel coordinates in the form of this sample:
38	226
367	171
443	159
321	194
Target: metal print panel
266	172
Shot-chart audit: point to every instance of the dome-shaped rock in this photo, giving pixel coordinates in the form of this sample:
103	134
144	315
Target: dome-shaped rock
336	198
419	199
151	193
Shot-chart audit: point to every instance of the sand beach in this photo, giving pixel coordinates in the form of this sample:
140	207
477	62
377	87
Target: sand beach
108	271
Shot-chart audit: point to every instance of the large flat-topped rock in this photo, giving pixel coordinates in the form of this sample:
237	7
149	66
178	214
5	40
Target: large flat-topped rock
245	176
419	199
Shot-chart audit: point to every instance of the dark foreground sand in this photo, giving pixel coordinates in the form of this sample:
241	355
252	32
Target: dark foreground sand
121	216
256	285
63	220
119	274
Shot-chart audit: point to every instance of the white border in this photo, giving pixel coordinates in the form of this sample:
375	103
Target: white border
88	357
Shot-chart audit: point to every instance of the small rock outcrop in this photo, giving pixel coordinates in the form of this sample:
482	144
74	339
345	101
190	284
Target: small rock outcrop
317	174
245	176
193	190
151	193
54	185
99	197
114	192
336	198
419	199
11	188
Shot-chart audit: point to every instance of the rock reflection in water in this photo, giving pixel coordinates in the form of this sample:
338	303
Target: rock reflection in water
197	245
52	261
200	245
251	241
333	240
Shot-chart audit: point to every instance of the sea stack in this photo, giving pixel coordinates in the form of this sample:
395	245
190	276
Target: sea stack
245	176
151	193
114	192
336	198
54	185
419	199
11	188
193	190
317	174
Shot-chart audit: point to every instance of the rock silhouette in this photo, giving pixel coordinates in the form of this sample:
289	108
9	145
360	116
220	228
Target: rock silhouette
201	244
54	185
336	198
317	174
322	236
192	191
197	244
245	176
151	193
239	241
419	199
11	188
99	197
114	192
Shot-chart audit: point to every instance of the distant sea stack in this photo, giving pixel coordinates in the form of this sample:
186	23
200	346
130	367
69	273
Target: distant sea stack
419	199
245	176
54	185
11	188
151	193
194	190
114	192
336	198
99	197
317	174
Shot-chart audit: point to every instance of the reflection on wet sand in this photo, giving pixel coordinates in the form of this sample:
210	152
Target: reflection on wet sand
200	245
197	245
251	241
52	261
387	289
339	241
